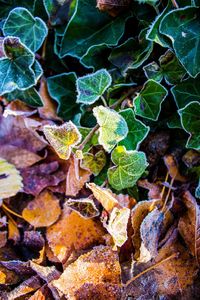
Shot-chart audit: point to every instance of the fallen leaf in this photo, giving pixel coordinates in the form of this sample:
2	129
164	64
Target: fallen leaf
99	266
189	225
43	211
84	207
113	7
155	190
18	108
46	273
33	240
72	231
10	180
3	238
173	168
76	177
13	232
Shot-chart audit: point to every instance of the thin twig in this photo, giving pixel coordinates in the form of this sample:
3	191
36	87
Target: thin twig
88	137
175	4
129	93
169	191
164	187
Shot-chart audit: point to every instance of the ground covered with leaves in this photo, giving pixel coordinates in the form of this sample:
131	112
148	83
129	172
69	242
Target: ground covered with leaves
99	149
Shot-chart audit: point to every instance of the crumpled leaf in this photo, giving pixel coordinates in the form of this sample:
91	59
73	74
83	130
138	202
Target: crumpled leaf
72	232
85	207
17	67
172	167
62	138
113	7
31	31
93	162
11	181
189	225
38	177
108	118
148	102
129	167
104	196
92	86
99	266
43	211
191	122
117	225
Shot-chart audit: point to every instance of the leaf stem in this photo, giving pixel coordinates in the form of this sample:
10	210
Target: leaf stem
129	93
175	4
11	211
88	137
169	191
104	101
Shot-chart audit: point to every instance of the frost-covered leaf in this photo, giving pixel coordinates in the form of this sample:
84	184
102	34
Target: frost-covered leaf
94	162
117	225
148	101
182	26
62	88
29	96
88	26
16	70
85	207
10	180
109	119
190	120
137	130
62	138
31	31
129	167
57	11
92	86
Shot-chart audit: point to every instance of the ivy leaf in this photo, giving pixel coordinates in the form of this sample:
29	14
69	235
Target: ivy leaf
10	180
94	163
85	207
191	123
137	130
62	88
92	86
186	91
16	67
113	127
88	27
29	96
31	31
182	26
148	102
129	167
57	11
96	57
153	71
62	138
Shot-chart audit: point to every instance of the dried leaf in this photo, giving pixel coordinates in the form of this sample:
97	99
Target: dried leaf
46	273
43	211
85	207
173	168
62	138
18	108
99	266
113	7
13	232
189	225
104	196
10	180
72	231
3	238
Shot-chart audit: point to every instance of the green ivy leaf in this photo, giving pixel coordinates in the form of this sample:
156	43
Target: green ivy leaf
148	102
88	26
62	88
190	120
57	11
92	86
186	91
29	96
31	31
182	26
62	138
113	127
96	57
153	71
16	67
129	167
197	191
137	130
94	163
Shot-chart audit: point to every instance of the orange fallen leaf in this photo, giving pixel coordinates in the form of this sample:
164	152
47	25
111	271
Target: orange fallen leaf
43	211
72	231
13	232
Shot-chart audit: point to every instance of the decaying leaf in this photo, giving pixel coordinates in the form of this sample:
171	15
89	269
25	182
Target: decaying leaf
99	266
43	211
62	138
13	232
3	238
173	168
85	207
10	180
113	7
73	232
189	225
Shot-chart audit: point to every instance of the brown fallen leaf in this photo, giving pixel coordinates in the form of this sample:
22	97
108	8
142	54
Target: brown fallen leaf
172	167
41	294
191	158
85	207
97	267
189	224
43	211
18	108
76	177
3	238
46	273
13	232
155	189
73	232
33	240
38	177
113	7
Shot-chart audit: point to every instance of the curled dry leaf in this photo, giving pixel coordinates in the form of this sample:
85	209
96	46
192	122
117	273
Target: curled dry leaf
10	180
43	211
97	267
85	207
113	7
73	232
18	108
173	168
155	190
76	177
189	225
13	232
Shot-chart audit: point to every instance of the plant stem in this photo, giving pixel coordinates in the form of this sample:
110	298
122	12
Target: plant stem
175	4
88	137
104	101
11	211
129	93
